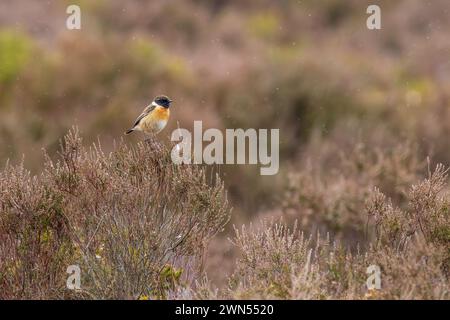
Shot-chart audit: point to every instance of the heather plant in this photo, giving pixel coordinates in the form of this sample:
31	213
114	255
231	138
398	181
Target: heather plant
135	223
334	199
410	246
427	213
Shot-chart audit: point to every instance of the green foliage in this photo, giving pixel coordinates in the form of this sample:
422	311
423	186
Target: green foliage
15	52
264	25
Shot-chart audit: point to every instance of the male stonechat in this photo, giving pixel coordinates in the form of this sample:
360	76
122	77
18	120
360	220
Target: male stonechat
154	117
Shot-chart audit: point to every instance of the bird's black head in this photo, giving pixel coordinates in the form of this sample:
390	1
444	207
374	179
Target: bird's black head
163	101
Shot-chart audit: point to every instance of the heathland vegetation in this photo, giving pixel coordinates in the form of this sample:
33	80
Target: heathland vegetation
364	119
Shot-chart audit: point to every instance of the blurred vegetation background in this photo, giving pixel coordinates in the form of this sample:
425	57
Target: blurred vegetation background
351	103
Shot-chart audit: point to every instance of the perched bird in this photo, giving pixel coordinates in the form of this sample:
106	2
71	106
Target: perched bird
154	117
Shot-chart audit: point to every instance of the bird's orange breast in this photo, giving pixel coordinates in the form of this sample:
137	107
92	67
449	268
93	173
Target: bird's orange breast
156	120
160	113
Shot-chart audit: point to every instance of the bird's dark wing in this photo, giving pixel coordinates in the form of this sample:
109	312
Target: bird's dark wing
144	113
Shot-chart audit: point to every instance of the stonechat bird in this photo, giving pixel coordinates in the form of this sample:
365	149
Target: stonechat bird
154	117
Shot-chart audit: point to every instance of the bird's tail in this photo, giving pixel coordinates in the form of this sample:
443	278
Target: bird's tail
129	131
